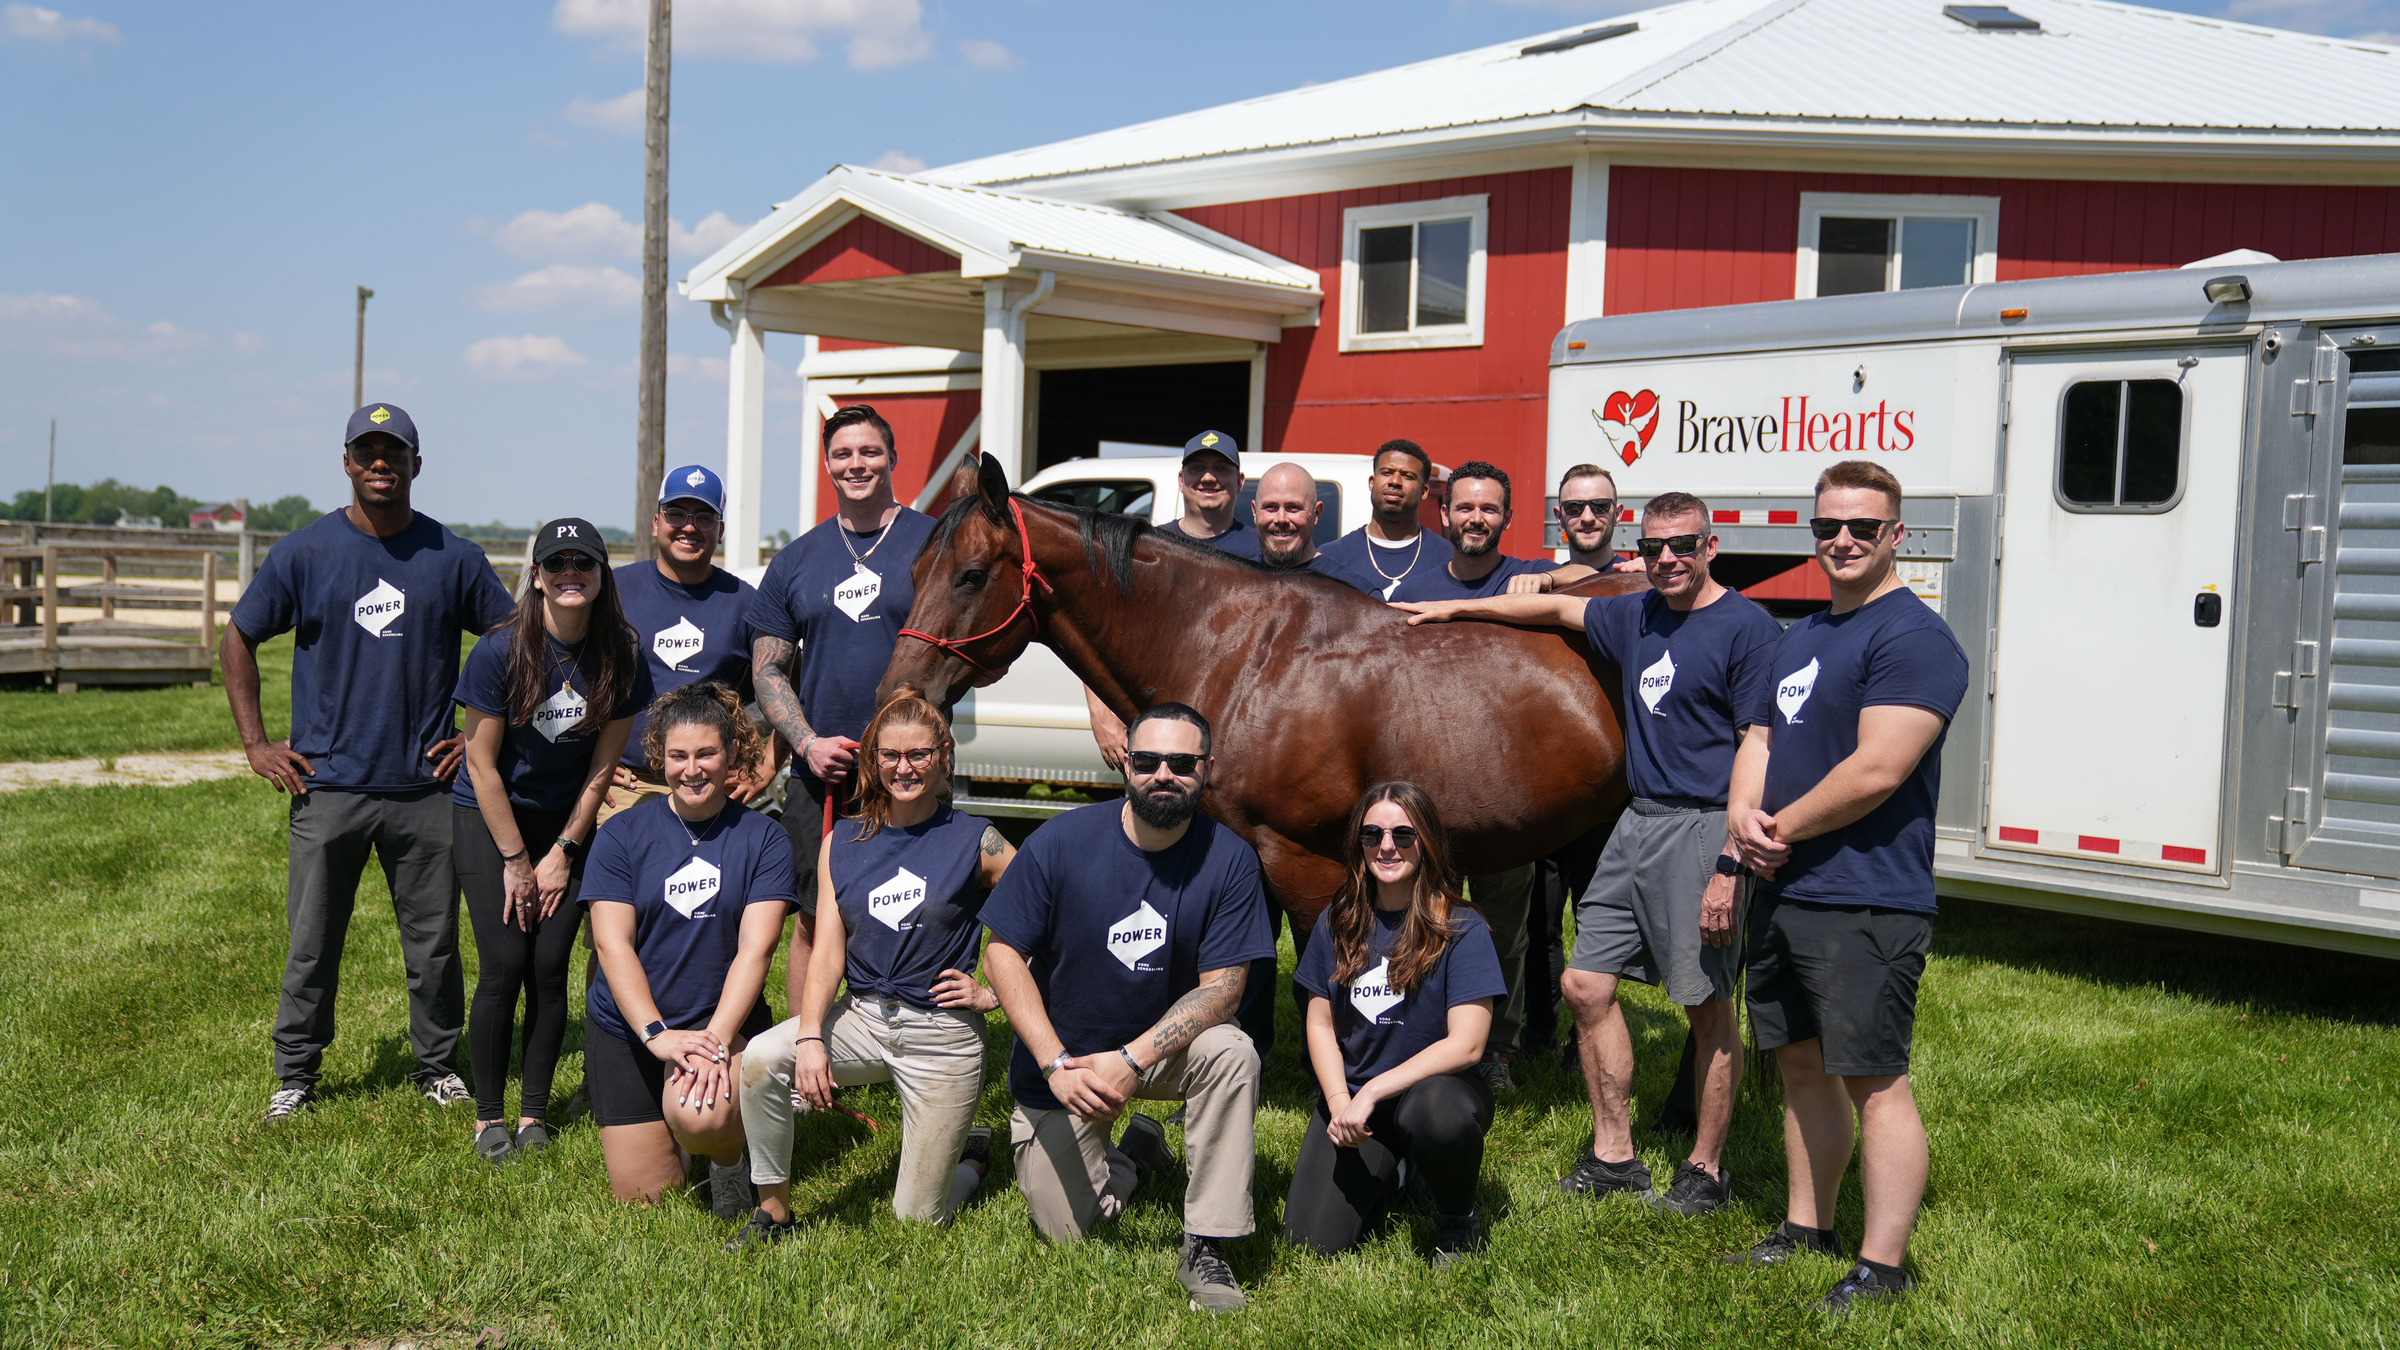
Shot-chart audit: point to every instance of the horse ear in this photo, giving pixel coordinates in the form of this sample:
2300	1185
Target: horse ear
966	481
993	485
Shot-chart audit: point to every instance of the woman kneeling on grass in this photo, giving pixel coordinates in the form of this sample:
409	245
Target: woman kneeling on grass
1400	984
550	699
900	892
687	894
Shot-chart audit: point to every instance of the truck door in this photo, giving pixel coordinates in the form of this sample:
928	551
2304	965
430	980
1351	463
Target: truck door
2343	810
2112	653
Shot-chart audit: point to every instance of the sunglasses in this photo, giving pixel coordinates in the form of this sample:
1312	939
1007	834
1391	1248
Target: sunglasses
1598	506
1370	837
683	520
569	562
915	759
1865	529
365	455
1146	762
1685	545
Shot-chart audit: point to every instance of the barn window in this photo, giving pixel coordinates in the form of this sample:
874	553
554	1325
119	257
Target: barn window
1412	274
1853	244
2120	445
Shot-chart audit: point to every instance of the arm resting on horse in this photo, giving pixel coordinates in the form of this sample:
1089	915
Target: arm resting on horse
1559	611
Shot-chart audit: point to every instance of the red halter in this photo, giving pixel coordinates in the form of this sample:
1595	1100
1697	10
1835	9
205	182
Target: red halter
1031	578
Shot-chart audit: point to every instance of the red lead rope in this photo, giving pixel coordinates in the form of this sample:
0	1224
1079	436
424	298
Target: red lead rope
1032	577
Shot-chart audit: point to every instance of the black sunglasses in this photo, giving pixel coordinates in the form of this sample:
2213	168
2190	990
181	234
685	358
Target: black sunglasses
1685	545
1598	506
1370	837
1865	529
1146	762
364	454
569	562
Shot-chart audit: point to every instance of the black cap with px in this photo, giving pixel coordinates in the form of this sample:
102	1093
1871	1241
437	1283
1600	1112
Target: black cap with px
386	418
570	535
1213	443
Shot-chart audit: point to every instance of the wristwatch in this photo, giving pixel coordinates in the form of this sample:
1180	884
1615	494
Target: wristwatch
1055	1065
653	1031
1728	865
569	847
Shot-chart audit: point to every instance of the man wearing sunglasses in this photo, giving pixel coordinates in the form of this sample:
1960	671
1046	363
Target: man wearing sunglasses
379	596
1693	657
1587	521
1833	806
1122	935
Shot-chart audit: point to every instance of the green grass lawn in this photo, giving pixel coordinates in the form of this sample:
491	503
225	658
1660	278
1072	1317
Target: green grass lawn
38	724
2140	1138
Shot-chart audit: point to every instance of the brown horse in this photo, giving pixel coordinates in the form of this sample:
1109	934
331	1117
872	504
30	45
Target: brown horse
1314	690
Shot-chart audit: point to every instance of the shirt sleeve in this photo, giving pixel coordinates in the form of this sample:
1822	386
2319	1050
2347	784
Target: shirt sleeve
487	602
1474	965
1020	908
770	612
1595	627
1237	932
270	607
1921	666
1761	711
1753	674
482	677
772	876
608	868
644	688
1315	973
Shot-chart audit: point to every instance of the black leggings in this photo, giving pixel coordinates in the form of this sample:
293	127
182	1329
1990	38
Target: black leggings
1338	1194
511	959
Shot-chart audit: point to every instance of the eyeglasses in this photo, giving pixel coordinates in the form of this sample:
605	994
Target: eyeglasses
1370	837
569	562
915	759
1146	762
1598	506
1685	545
679	519
1865	529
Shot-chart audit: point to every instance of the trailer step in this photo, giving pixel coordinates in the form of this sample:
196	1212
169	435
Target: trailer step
1020	807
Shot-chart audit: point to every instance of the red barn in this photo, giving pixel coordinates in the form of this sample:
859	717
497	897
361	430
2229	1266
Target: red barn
1391	255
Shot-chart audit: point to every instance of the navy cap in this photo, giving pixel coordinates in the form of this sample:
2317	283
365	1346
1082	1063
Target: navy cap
695	482
384	417
570	535
1213	443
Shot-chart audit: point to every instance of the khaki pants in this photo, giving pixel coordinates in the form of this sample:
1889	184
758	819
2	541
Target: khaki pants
934	1059
626	798
1073	1178
1506	899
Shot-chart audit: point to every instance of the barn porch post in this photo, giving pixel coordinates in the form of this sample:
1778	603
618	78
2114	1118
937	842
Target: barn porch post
745	431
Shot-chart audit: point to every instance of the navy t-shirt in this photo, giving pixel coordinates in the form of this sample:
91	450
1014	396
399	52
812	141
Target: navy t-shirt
1382	1027
1378	569
544	761
1436	583
688	634
1115	935
845	615
1690	680
911	903
1824	669
1241	541
687	901
379	622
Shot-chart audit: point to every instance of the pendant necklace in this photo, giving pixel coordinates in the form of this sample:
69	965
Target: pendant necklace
860	559
1377	563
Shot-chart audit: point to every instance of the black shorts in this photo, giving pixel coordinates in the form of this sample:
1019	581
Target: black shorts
627	1082
1842	975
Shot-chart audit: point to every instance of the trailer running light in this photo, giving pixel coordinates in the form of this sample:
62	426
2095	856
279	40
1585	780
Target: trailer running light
2226	290
1574	346
2007	315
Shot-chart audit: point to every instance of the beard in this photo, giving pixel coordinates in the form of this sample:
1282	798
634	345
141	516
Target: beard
1274	553
1165	810
1458	543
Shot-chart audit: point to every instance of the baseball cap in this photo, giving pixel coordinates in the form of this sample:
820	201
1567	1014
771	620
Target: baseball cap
386	418
1213	443
696	482
567	534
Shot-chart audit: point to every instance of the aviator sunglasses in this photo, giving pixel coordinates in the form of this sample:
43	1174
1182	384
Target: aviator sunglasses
1864	529
568	562
1370	837
1146	762
1685	545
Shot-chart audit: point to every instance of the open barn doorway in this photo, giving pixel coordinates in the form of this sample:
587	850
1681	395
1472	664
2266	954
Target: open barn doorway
1076	410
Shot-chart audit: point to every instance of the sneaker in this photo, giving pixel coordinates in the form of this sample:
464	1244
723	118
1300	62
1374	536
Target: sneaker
1864	1284
1207	1276
1694	1191
1496	1075
1595	1178
447	1090
493	1145
761	1231
1455	1238
289	1102
1786	1242
978	1150
1145	1141
531	1139
729	1191
800	1105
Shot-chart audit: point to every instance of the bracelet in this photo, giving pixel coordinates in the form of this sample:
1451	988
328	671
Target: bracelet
1131	1062
806	1039
1055	1065
512	857
807	741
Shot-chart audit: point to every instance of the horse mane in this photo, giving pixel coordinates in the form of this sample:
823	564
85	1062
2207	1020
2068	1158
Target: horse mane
1109	539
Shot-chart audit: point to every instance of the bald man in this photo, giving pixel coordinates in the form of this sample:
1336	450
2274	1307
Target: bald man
1286	511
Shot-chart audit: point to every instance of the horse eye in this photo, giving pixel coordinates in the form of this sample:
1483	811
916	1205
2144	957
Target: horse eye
973	578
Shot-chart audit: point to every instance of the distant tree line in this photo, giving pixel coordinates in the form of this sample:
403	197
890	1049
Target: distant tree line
109	501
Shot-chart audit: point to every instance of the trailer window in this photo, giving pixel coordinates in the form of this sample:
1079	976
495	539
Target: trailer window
2371	422
2121	445
1122	497
1412	274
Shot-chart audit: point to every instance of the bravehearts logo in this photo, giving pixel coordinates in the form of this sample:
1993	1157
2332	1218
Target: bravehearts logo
377	610
1137	935
1628	421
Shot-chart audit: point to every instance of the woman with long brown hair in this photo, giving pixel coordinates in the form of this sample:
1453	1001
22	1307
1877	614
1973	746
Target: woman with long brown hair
1400	981
550	699
899	905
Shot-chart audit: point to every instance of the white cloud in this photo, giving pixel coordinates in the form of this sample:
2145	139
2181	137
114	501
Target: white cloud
681	367
714	232
569	290
80	328
894	161
880	33
522	358
36	24
988	54
598	232
621	115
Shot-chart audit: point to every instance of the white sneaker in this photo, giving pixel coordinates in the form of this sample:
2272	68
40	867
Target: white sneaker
447	1090
729	1192
289	1102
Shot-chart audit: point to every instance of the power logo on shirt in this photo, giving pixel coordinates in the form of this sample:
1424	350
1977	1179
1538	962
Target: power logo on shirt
1372	992
895	901
1136	936
379	608
853	596
558	714
1792	691
679	644
693	885
1656	681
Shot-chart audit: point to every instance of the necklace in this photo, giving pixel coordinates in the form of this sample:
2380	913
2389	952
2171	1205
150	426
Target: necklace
1377	563
861	558
706	827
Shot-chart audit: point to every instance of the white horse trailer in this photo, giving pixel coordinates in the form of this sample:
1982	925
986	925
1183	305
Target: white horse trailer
2161	510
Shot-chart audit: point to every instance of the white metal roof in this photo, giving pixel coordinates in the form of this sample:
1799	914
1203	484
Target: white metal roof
2094	64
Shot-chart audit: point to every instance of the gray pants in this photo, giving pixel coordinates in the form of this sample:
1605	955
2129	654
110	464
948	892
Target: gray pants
1073	1178
331	832
1506	899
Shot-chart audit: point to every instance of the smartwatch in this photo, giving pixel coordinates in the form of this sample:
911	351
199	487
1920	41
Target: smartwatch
1728	865
653	1031
569	847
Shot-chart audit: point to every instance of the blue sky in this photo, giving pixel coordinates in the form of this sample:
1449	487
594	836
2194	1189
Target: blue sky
193	192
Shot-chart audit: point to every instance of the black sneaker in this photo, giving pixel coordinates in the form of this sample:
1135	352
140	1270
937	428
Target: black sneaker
1787	1241
493	1145
1864	1284
290	1100
1145	1141
1694	1191
1207	1276
1455	1238
1496	1075
1596	1179
531	1139
760	1232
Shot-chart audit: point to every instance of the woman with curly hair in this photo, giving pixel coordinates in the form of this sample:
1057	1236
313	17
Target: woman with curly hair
1400	981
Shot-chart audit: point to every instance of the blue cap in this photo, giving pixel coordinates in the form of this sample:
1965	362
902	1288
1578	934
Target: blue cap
695	481
1213	443
386	418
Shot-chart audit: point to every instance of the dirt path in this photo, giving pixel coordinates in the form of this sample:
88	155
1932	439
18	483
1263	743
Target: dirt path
169	770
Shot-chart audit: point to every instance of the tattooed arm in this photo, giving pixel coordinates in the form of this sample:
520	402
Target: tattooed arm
774	663
995	856
1216	1000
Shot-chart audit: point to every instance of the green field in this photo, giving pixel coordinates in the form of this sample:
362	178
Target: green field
38	724
2140	1138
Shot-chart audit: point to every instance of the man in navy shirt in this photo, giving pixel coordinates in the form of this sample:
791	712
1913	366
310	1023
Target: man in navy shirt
380	596
1121	938
1393	545
1211	480
1286	510
1833	806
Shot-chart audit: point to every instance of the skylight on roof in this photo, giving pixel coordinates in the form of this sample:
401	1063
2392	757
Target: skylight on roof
1991	18
1572	40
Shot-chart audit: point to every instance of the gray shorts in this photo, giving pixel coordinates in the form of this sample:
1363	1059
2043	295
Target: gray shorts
1640	917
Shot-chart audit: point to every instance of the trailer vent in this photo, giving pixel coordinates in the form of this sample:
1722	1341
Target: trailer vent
1991	18
1585	38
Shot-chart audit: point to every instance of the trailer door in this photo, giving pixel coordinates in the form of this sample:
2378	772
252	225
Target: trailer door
2112	654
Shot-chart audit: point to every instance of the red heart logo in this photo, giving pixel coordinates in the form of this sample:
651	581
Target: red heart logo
1628	421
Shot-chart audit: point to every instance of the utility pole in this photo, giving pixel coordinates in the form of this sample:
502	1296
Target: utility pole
358	367
50	480
650	441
